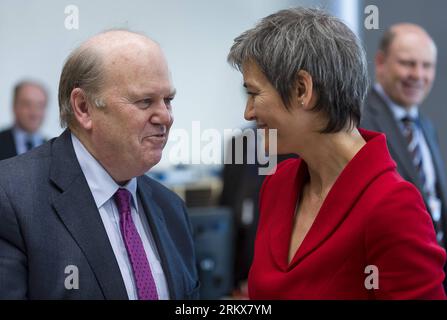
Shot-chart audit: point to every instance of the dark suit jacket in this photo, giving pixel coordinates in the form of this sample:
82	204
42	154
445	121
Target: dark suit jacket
49	220
7	145
241	182
378	117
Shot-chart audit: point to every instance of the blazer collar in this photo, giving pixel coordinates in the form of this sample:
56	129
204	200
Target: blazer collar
163	242
338	203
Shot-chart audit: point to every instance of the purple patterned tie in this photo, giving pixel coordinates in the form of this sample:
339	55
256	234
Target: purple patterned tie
141	270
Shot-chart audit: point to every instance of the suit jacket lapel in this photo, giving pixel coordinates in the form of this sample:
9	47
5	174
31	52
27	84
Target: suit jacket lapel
76	208
436	158
280	233
396	141
162	240
9	148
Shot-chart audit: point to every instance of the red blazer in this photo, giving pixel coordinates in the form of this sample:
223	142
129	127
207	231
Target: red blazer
371	216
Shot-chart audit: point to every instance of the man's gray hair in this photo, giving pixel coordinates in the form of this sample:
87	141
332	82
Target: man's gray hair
83	69
297	39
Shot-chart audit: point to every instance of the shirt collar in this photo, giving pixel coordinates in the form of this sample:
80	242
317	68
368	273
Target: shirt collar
22	136
101	184
398	111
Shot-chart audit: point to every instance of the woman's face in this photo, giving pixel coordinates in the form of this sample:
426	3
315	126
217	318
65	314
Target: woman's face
265	106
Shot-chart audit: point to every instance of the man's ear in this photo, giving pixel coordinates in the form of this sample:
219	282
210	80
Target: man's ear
81	108
379	61
304	89
380	57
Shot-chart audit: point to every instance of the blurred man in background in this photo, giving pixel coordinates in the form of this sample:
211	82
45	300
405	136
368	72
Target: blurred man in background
405	71
241	185
29	105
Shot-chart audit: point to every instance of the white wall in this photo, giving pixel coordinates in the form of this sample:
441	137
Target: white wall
195	35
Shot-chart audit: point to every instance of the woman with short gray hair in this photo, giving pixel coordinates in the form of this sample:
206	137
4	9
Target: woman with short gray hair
339	222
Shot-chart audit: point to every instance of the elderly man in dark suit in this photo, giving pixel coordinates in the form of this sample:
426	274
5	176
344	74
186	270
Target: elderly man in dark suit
78	217
29	105
405	71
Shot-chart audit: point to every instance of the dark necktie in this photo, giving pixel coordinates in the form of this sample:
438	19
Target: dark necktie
140	266
414	147
29	144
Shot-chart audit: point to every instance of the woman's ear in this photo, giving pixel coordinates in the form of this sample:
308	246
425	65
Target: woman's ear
304	89
81	108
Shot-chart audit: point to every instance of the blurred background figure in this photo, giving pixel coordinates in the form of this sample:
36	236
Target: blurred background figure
241	185
29	105
405	71
240	192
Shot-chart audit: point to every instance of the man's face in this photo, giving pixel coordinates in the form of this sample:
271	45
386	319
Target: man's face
407	71
132	129
29	108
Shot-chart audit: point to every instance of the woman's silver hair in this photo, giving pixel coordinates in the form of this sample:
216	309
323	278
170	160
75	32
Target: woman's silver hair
297	39
83	69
